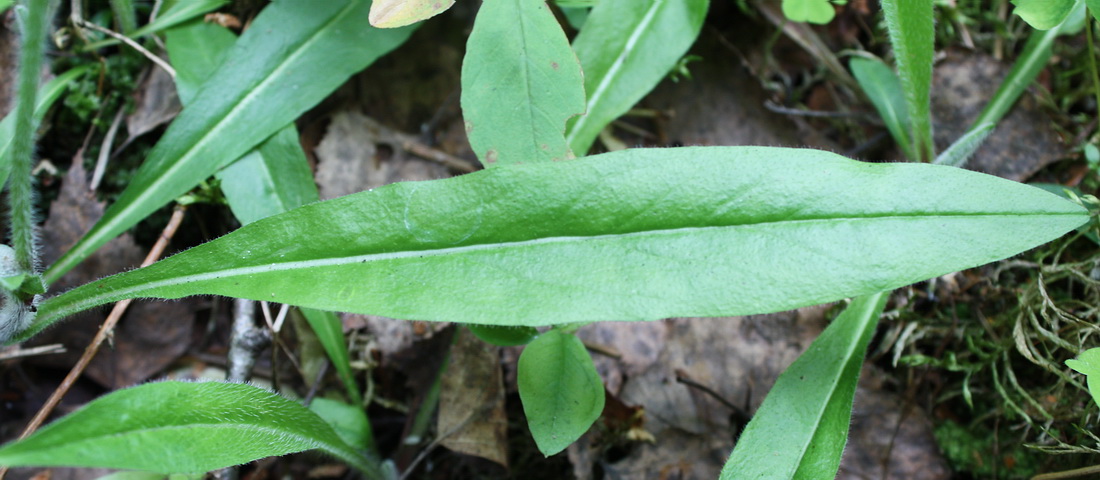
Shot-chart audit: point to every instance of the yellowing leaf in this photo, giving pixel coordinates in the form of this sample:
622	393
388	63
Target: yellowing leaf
398	13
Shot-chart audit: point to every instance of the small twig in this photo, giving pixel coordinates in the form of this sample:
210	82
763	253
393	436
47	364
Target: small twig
105	331
136	46
1077	472
435	443
413	146
16	352
683	378
247	341
105	150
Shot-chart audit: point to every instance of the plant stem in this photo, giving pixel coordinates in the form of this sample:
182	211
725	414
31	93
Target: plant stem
1092	61
34	16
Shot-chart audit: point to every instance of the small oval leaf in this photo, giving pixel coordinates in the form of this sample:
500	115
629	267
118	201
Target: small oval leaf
520	83
1043	14
812	11
561	392
144	427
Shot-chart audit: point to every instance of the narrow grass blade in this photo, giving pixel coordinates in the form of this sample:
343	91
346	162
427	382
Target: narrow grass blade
561	392
631	235
295	54
144	427
883	87
912	33
626	47
959	152
47	96
800	430
520	83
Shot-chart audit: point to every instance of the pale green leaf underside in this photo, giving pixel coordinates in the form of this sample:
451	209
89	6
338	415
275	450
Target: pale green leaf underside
626	48
1043	14
561	392
176	427
633	235
800	430
520	83
294	55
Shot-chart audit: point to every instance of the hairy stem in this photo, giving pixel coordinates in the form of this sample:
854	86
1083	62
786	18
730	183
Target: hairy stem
34	18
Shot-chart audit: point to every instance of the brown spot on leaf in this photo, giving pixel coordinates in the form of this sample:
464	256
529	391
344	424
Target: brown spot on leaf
491	156
554	65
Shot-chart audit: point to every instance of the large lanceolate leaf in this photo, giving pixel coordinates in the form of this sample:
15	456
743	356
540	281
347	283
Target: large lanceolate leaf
520	83
626	47
294	55
631	235
800	430
912	32
561	392
176	427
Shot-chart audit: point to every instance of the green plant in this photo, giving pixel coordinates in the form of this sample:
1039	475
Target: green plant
638	234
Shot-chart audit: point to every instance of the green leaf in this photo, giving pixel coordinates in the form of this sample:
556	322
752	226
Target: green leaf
272	179
1088	363
294	55
180	12
144	427
1094	8
520	83
561	392
399	13
1043	14
800	430
632	235
813	11
4	4
1036	54
502	335
197	50
349	421
330	332
883	88
912	33
132	475
626	48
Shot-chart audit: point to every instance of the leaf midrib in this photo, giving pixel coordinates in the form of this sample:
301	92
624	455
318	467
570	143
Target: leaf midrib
613	72
126	292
